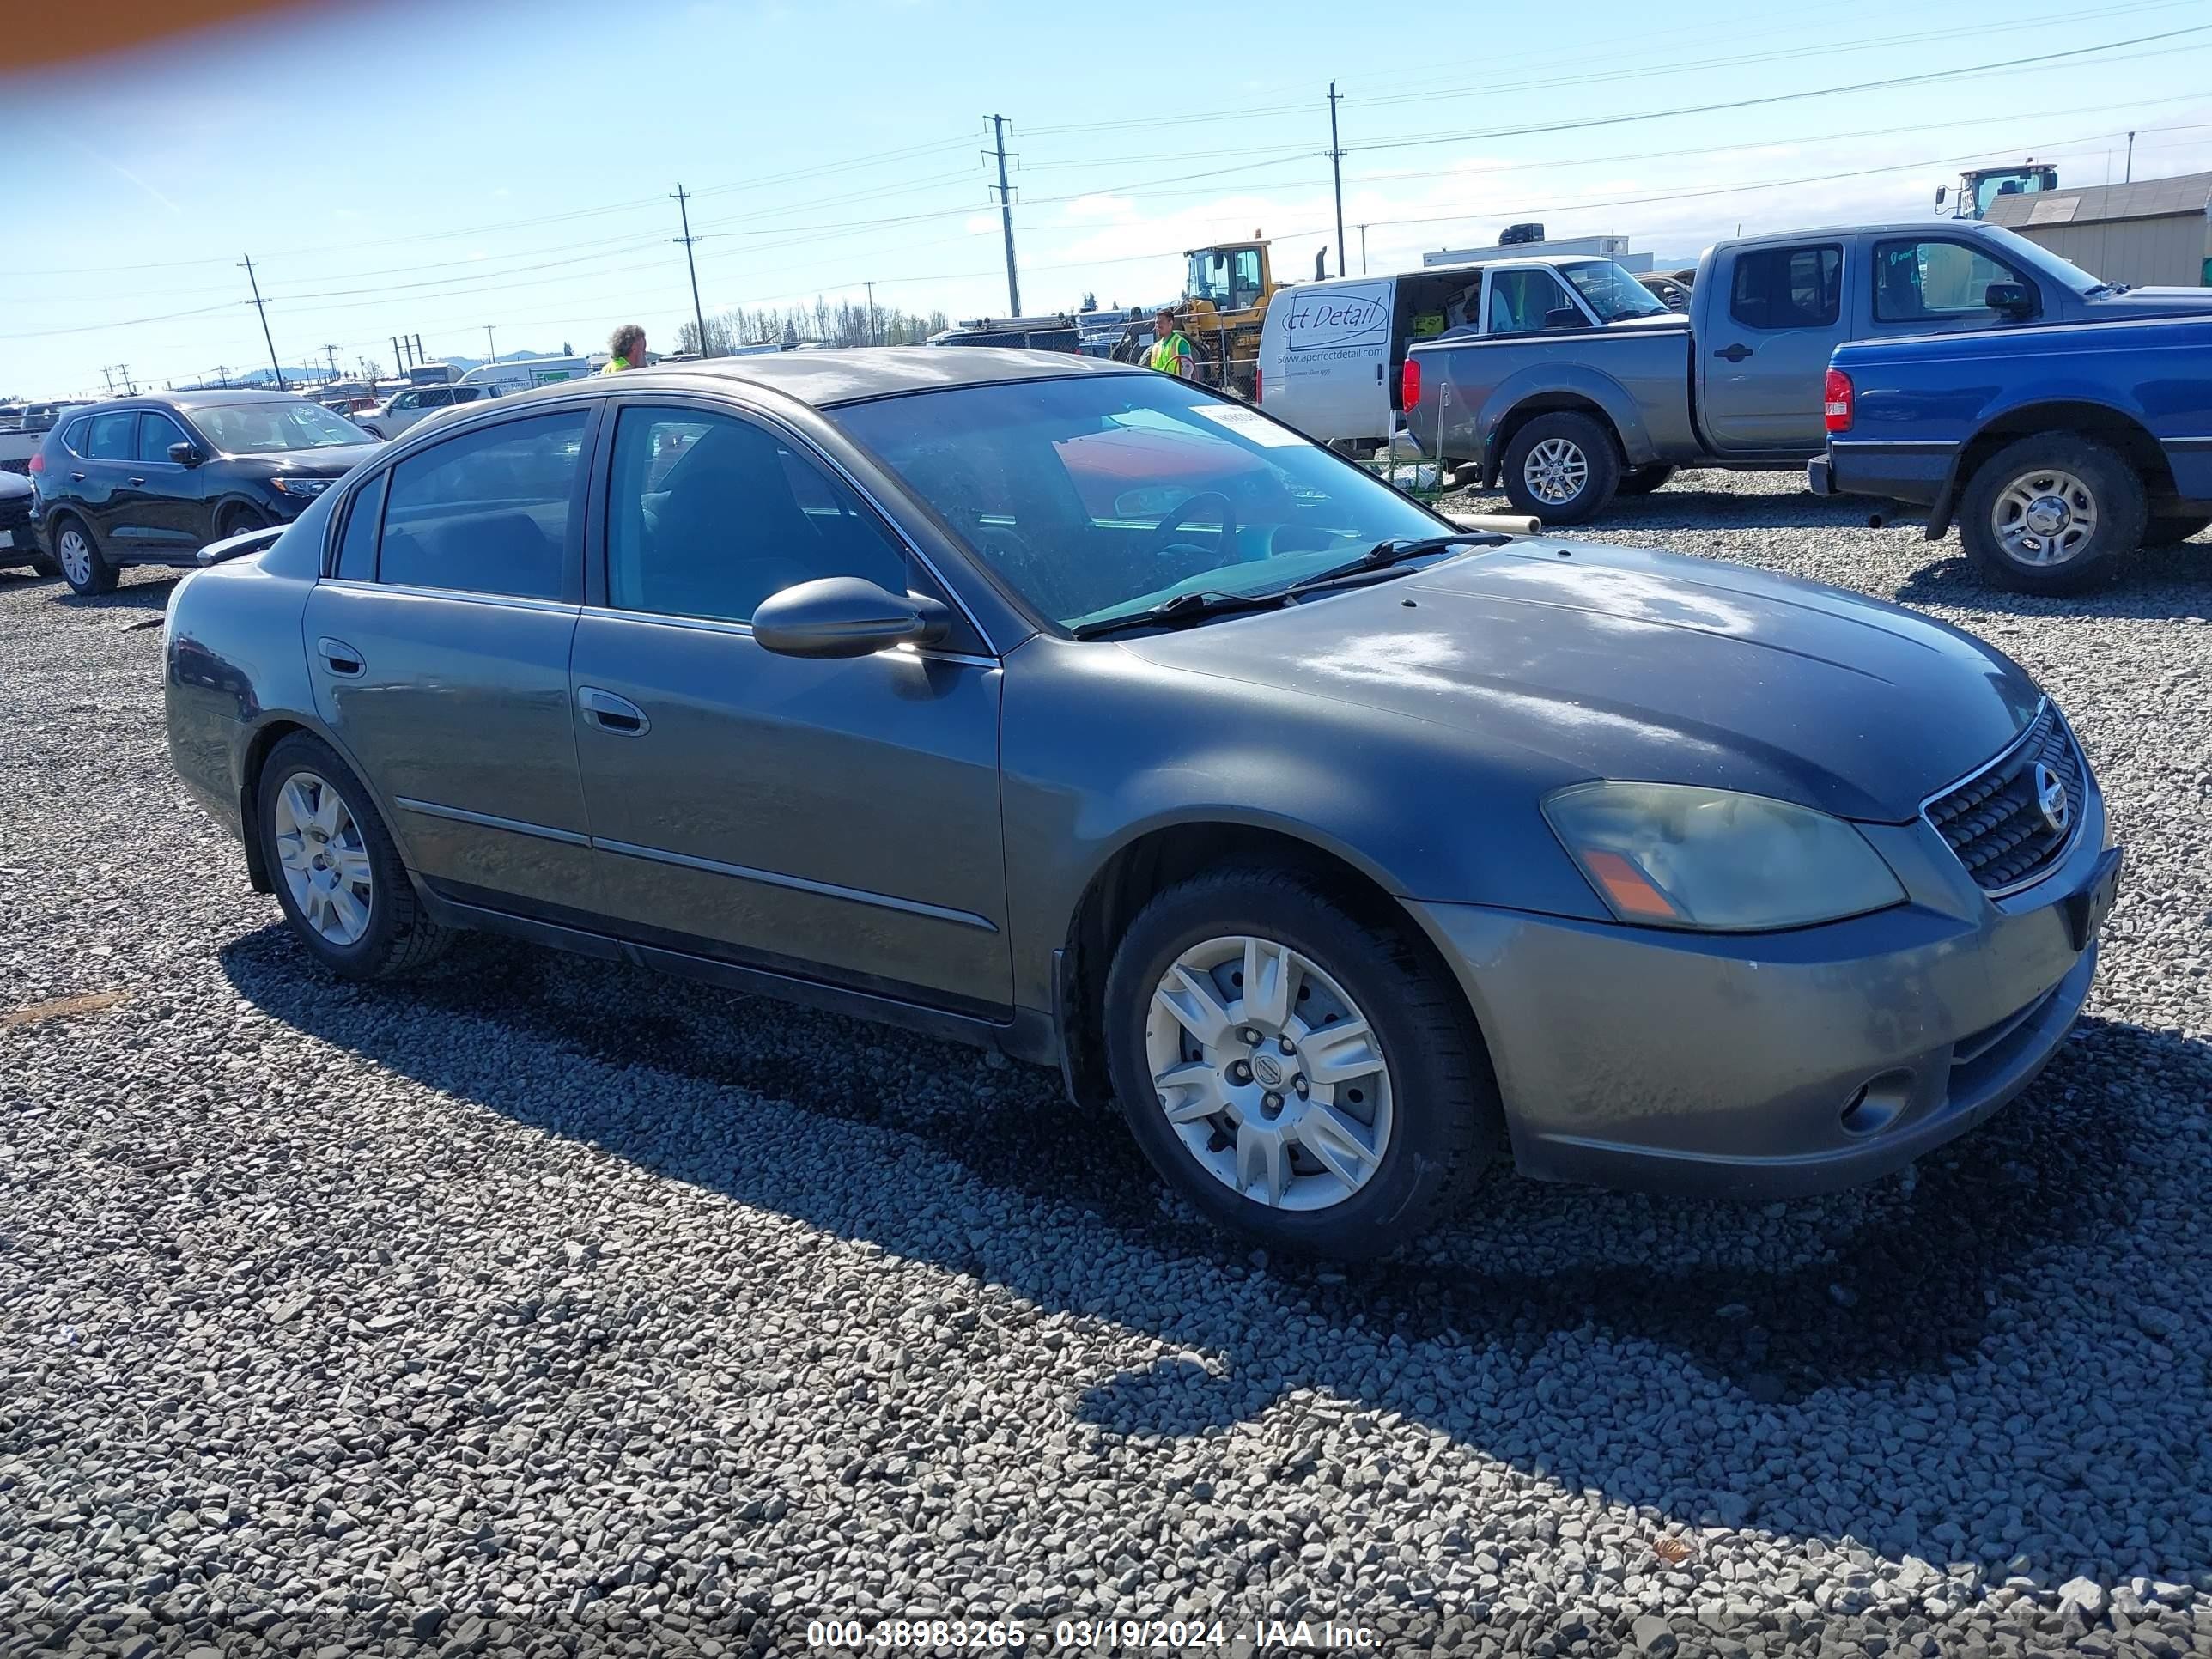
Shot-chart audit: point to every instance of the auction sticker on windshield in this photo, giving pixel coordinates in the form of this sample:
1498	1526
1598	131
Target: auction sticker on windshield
1245	424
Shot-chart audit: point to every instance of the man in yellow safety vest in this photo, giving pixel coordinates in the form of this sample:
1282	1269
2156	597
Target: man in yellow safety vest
626	349
1172	352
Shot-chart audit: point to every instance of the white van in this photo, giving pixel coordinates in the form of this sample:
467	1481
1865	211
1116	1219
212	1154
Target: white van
520	374
1330	352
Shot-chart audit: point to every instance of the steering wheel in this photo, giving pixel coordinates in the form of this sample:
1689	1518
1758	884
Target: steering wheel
1164	533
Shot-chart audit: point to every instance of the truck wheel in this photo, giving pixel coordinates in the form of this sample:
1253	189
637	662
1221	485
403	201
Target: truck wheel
2164	533
1642	480
2051	513
1561	469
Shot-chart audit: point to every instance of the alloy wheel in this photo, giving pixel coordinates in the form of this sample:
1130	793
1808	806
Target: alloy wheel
74	553
2044	517
1271	1075
1556	471
325	860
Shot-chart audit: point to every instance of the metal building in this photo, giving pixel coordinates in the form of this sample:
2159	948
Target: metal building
2155	232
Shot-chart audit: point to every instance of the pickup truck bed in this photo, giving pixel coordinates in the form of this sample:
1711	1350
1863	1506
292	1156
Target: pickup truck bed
2056	451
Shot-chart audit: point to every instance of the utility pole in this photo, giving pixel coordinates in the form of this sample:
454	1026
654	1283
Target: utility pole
2130	178
332	352
871	286
1336	168
129	390
1007	216
421	357
1363	250
267	337
488	346
222	374
398	359
698	313
108	369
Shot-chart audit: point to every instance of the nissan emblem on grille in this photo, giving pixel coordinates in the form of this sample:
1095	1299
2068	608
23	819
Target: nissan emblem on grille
2051	798
2014	818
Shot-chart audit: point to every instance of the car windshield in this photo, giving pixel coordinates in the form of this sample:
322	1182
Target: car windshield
1610	291
263	429
1102	495
2064	272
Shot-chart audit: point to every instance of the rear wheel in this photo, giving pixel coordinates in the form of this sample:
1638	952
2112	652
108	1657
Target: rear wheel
2051	513
1561	469
83	566
2164	533
338	877
1642	480
1303	1076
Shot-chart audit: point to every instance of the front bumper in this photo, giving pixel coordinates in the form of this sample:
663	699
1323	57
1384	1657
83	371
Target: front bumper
1775	1064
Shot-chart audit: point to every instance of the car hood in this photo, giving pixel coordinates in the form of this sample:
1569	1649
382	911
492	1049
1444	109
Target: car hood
13	484
333	463
2154	302
1566	661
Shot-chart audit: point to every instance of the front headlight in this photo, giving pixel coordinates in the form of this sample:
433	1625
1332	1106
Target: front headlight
1677	855
302	487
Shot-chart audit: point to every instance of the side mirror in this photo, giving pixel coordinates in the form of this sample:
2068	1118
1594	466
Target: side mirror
1565	317
846	617
2013	299
185	455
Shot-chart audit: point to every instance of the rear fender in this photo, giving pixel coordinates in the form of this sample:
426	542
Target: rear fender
1543	387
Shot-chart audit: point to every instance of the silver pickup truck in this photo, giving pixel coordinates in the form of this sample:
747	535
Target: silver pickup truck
1570	415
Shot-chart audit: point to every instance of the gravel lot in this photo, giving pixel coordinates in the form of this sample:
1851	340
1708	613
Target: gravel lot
547	1306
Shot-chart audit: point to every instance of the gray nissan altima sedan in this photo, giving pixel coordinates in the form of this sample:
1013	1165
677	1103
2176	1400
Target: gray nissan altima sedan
1073	709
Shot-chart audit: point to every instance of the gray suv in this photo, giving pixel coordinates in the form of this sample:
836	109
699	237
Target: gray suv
1075	710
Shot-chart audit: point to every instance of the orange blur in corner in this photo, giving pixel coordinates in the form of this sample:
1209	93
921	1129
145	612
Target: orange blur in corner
33	42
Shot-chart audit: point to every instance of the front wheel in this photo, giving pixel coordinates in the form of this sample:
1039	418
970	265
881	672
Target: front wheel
237	520
83	566
1561	469
1304	1077
2051	513
339	879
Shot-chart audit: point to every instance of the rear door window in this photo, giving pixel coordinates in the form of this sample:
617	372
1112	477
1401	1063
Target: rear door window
1783	287
357	542
114	437
487	511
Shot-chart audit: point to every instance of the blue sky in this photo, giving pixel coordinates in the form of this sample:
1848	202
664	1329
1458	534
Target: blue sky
396	167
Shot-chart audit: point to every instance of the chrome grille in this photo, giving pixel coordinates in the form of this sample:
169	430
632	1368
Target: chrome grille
1994	821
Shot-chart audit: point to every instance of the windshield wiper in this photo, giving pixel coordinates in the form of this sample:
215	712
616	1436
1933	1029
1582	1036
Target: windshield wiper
1385	553
1182	608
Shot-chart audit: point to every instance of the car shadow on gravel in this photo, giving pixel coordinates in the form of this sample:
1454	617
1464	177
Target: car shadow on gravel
152	595
1909	1283
2152	582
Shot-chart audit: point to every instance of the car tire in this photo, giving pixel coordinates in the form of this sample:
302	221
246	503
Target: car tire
2166	532
237	519
2051	513
1562	468
1642	480
357	914
1430	1105
78	559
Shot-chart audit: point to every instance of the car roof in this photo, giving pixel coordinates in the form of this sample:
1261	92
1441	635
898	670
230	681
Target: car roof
823	379
208	398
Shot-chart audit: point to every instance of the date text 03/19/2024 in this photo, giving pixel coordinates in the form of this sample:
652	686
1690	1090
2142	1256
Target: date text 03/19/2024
1082	1635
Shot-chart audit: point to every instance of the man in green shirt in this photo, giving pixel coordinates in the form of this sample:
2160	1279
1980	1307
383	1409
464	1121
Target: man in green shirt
1171	350
626	348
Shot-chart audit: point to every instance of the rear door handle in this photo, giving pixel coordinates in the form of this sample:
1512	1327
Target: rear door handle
610	713
1734	354
341	658
76	477
135	481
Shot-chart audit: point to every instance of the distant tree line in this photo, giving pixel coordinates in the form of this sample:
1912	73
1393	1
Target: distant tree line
842	324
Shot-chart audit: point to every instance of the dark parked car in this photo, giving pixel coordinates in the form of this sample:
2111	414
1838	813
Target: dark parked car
19	538
1079	711
152	480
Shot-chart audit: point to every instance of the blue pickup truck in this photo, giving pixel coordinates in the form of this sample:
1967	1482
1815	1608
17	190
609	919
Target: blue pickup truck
2055	450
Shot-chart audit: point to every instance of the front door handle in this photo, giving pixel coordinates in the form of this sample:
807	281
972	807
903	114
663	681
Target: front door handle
610	713
135	481
1734	354
341	658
